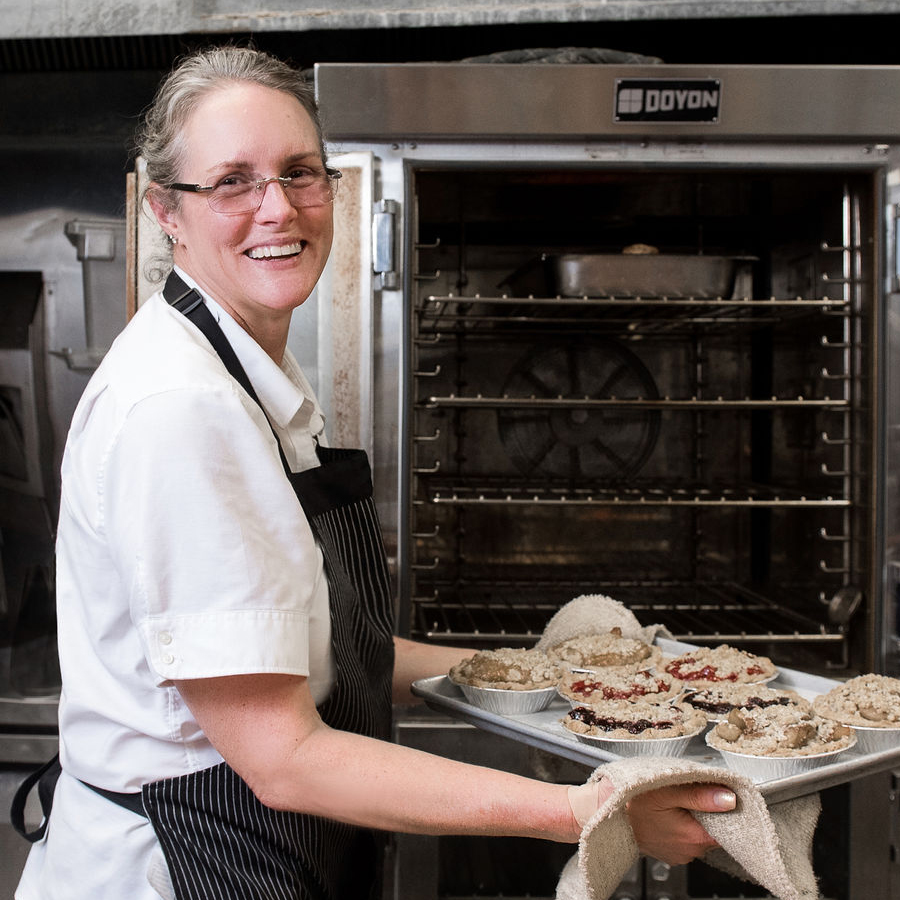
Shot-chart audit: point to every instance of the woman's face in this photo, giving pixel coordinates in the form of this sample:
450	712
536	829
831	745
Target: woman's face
241	260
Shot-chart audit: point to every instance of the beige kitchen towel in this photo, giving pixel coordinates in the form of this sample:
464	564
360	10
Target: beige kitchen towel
770	845
595	614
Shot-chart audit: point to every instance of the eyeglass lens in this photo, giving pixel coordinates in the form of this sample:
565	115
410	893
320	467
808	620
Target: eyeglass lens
247	196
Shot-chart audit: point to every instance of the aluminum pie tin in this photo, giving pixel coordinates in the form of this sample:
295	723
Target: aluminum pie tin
508	702
638	746
874	740
769	768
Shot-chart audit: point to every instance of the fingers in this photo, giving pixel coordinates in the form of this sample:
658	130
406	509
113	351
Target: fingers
665	829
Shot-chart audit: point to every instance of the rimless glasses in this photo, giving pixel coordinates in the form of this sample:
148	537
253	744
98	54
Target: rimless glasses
240	193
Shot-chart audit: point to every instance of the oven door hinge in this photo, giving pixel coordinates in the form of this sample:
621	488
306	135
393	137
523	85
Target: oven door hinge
384	243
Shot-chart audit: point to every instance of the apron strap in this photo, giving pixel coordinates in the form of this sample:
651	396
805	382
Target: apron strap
45	778
133	802
190	304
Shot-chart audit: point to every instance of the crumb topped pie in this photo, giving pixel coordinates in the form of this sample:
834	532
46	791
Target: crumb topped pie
718	701
617	683
779	731
634	720
607	649
869	701
711	666
508	668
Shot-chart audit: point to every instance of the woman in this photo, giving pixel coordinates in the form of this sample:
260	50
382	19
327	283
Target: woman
224	613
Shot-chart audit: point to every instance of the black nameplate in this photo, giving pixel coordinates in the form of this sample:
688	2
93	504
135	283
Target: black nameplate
668	99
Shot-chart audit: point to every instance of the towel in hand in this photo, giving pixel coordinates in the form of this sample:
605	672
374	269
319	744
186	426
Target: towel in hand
770	845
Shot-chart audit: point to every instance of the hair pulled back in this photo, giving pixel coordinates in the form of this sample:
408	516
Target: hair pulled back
160	138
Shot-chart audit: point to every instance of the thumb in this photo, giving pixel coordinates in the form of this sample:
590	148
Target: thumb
696	796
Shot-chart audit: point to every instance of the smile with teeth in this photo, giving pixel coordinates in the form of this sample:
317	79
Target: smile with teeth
272	252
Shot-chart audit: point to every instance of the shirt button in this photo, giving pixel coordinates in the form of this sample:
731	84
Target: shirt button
168	659
165	637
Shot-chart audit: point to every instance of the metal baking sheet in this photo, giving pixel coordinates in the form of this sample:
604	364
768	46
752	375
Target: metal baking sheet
645	275
544	731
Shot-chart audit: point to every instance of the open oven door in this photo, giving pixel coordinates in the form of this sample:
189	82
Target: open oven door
346	309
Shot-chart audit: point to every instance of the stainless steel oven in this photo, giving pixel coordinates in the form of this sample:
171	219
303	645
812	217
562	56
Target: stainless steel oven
632	331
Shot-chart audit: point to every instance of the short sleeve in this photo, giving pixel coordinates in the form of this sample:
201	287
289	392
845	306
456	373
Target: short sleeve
215	551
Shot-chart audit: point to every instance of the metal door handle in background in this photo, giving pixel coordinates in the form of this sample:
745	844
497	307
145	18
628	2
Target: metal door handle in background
383	243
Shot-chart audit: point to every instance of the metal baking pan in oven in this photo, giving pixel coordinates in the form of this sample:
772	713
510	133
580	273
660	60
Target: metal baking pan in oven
543	731
645	275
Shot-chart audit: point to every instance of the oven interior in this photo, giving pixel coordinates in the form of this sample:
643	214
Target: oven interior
650	383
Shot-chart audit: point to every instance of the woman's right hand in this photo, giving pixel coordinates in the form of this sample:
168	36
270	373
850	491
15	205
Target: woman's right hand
660	819
664	827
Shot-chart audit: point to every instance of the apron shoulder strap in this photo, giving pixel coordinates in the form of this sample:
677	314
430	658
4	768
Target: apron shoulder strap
189	302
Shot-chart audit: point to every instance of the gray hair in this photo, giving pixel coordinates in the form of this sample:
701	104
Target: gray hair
159	140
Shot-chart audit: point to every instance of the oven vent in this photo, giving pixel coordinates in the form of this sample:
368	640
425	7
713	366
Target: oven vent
90	53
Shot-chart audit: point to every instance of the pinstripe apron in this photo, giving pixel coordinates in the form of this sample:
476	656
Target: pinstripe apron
219	841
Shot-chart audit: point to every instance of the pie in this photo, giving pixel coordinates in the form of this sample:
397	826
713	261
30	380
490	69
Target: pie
618	683
718	701
711	666
606	649
868	701
508	668
634	720
779	731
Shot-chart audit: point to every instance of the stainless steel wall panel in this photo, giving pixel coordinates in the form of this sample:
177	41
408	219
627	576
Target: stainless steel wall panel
506	101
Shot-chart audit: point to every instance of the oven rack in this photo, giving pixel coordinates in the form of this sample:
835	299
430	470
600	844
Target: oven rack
517	610
692	404
453	492
650	305
647	314
445	317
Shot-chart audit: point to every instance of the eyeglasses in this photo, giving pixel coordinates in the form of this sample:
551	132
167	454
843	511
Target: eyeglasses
239	193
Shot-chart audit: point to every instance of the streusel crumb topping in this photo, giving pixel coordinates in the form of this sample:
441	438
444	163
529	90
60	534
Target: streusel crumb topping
710	666
871	701
597	650
779	731
510	668
634	720
618	683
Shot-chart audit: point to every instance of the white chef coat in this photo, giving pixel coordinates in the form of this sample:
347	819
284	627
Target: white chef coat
181	553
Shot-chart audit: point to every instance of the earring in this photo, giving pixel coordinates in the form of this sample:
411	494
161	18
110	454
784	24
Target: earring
172	238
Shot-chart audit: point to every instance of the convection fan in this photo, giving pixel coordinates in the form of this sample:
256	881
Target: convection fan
570	441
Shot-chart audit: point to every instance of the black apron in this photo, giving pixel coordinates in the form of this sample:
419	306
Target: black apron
219	841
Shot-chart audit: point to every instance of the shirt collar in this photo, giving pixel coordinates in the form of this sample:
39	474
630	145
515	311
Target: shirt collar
280	395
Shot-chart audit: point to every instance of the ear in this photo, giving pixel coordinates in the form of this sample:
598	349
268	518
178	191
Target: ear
165	215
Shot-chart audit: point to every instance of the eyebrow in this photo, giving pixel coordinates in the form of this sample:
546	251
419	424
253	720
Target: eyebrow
243	164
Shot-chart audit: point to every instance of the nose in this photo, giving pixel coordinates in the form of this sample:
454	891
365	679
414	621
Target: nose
273	203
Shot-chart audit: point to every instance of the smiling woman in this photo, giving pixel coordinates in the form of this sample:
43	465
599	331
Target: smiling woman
259	264
226	636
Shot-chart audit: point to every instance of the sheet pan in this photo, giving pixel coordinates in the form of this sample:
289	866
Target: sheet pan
543	731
